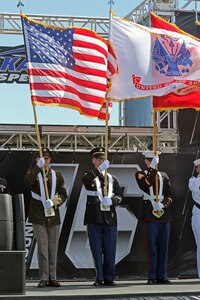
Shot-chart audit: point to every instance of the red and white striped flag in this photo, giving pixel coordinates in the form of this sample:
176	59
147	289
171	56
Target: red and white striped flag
68	67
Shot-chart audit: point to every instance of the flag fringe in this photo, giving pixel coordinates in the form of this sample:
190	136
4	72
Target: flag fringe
36	103
160	109
62	28
177	29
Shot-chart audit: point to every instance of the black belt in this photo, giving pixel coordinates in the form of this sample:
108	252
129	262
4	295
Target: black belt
196	204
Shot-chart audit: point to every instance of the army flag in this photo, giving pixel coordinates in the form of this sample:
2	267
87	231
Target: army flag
68	67
172	100
152	61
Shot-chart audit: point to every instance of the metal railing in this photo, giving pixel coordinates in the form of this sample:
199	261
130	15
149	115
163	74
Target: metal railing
11	23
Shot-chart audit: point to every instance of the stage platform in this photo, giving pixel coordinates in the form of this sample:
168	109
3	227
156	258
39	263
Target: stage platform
125	290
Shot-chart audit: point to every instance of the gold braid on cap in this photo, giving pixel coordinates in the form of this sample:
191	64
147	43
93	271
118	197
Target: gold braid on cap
102	152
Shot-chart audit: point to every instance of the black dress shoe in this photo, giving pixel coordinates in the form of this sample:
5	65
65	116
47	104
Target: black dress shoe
54	283
151	281
163	281
98	282
42	283
109	282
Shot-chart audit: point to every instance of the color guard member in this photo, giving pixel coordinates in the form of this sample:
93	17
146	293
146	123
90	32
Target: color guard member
157	218
44	215
101	218
194	186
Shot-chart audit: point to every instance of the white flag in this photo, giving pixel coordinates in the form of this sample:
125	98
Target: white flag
152	62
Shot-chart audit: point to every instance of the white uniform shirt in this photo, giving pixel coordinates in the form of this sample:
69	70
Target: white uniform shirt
194	186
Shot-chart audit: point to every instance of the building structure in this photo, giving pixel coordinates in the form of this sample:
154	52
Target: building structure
141	133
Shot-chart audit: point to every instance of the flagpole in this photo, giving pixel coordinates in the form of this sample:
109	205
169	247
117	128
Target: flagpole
155	149
40	150
157	213
110	2
49	211
155	144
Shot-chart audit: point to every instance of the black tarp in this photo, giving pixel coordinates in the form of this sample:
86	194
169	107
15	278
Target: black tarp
182	253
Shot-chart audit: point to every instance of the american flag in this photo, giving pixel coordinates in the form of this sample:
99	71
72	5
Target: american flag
68	67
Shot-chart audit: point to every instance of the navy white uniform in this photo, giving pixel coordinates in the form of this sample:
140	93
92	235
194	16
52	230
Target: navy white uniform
102	224
194	186
157	229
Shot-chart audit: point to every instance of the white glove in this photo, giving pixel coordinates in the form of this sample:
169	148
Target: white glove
106	201
105	165
157	205
154	162
41	162
49	203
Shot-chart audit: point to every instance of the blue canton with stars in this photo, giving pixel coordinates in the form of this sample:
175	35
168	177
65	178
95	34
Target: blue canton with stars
49	45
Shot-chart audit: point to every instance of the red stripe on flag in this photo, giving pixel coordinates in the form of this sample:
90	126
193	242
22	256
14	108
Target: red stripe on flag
76	80
67	88
89	45
65	102
112	61
89	58
89	71
87	32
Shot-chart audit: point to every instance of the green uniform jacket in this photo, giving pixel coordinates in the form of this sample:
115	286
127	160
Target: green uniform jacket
36	210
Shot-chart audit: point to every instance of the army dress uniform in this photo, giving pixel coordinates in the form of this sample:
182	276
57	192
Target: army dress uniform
46	229
157	229
102	224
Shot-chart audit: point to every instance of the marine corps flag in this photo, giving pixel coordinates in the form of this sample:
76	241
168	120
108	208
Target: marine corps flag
197	23
172	100
152	62
158	22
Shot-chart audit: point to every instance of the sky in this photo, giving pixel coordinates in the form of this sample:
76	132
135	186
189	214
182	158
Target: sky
16	107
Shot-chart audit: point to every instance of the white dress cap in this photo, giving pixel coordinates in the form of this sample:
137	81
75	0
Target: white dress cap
197	162
150	154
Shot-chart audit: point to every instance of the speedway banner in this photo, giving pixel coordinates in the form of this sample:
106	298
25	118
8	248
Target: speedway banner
13	65
152	62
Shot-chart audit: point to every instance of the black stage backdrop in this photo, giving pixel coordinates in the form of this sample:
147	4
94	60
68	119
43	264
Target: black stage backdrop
131	262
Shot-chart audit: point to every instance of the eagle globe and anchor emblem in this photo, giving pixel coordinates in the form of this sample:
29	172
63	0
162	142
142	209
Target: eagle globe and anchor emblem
168	55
